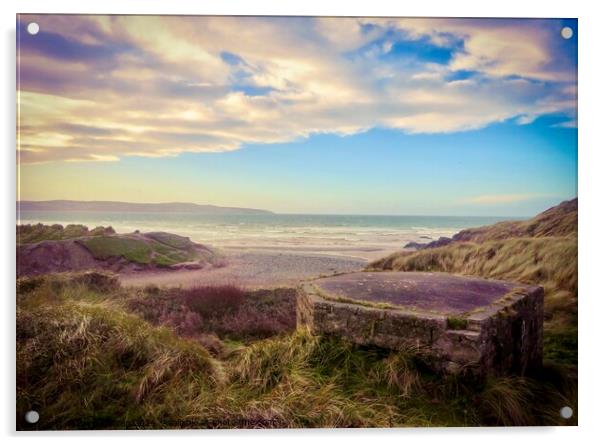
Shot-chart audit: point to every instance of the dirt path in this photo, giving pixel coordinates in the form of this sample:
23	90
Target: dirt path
251	270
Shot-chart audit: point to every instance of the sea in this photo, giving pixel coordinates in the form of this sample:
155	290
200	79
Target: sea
364	236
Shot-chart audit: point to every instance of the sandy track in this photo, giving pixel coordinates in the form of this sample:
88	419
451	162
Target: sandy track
251	270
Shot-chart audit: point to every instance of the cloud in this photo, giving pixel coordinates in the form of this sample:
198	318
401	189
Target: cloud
502	199
104	87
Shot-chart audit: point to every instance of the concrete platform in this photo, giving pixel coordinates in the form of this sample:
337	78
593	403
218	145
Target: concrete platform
456	323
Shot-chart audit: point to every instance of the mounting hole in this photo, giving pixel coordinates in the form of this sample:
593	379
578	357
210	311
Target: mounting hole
32	417
566	412
33	28
566	33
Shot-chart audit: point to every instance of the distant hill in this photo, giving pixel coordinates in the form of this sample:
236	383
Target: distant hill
133	207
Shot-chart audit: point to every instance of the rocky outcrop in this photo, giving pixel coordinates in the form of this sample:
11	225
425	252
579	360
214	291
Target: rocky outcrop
443	241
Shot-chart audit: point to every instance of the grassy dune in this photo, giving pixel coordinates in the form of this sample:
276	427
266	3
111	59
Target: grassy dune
504	251
140	250
91	354
557	221
155	249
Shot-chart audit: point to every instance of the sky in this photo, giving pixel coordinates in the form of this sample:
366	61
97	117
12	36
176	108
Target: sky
299	114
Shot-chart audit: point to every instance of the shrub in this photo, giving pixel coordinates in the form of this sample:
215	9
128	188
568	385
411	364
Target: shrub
226	311
262	314
97	281
212	301
456	323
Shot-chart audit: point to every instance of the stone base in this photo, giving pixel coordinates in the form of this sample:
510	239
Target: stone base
502	337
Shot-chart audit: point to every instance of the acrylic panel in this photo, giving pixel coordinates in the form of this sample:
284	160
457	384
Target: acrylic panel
295	222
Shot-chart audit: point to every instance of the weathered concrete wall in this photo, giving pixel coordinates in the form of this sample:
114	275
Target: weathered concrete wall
505	337
513	337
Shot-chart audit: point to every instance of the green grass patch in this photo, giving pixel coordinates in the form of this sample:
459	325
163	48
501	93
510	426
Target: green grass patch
560	345
171	240
457	323
105	247
137	250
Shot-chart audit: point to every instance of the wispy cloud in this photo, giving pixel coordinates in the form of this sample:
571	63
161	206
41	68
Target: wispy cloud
103	87
503	199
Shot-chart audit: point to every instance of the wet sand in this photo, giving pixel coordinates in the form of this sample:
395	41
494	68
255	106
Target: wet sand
253	269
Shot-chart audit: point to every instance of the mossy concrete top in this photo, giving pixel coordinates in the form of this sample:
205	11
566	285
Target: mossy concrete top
439	293
455	323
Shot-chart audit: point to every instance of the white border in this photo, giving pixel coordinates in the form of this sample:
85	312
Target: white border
590	194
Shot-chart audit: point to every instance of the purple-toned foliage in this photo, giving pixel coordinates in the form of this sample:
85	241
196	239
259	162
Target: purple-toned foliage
211	301
208	312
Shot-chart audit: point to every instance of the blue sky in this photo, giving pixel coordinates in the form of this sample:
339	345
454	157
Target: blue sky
355	116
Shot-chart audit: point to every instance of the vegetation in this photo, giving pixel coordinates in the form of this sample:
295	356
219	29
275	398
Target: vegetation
456	323
28	233
91	354
159	249
131	249
558	221
207	312
143	249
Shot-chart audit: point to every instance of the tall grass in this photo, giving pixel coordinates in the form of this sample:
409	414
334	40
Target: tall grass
86	365
86	359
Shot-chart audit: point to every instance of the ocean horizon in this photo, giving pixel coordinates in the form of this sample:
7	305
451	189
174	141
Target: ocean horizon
306	232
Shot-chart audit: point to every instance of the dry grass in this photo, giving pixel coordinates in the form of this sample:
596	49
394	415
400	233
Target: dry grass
550	262
86	365
85	360
558	221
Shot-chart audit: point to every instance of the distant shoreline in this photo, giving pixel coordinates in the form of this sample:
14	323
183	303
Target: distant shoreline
133	207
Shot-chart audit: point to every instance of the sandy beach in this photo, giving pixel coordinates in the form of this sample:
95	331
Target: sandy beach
252	269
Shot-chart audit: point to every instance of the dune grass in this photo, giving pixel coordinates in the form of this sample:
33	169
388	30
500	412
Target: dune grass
34	233
557	221
105	247
86	365
87	359
140	250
